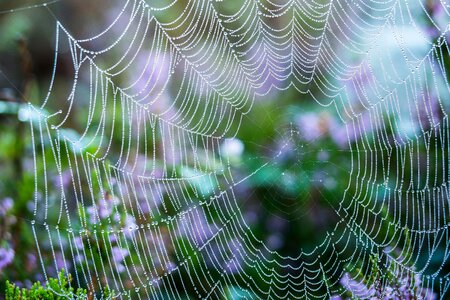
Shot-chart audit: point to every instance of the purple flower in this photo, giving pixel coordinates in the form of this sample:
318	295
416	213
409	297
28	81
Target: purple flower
439	15
338	133
31	261
30	206
92	213
196	227
149	73
251	216
102	210
357	288
353	130
5	206
401	288
119	255
78	258
62	180
267	74
323	155
61	262
8	203
234	265
78	241
170	266
309	125
428	112
130	226
276	224
6	257
39	277
274	241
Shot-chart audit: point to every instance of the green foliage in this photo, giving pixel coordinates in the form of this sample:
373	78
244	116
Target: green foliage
55	289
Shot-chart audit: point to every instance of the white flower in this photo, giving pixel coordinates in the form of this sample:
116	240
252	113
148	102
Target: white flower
232	148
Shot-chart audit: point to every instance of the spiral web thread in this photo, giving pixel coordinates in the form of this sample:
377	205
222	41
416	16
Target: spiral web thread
219	63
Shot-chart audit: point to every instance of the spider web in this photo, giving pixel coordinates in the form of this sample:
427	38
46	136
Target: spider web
155	162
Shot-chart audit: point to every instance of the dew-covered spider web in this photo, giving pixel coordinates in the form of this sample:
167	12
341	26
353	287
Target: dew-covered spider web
145	197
